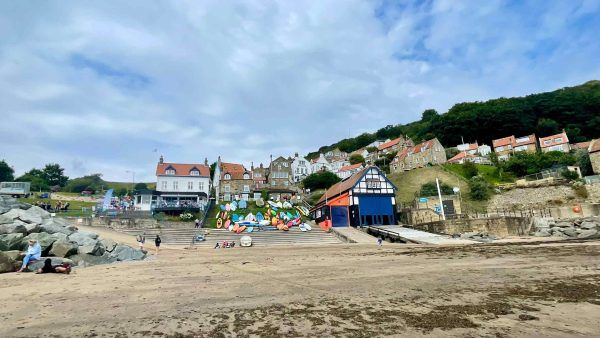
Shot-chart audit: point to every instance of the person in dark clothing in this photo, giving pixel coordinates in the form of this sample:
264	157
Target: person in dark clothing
157	241
49	268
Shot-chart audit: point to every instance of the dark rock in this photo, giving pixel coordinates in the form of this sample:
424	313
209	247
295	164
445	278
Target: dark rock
55	261
82	238
542	233
63	248
126	253
52	227
37	211
92	248
527	317
11	242
24	215
589	225
84	260
32	227
13	228
571	232
7	263
583	234
564	224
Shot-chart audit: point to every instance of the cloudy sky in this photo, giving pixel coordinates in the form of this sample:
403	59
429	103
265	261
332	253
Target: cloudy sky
107	86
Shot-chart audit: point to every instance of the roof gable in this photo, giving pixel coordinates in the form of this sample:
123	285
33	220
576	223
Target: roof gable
349	183
182	169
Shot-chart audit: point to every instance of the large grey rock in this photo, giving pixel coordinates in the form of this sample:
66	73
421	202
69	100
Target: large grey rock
63	248
571	232
37	211
55	261
89	234
11	242
564	224
81	238
89	260
5	219
589	225
32	227
24	215
126	253
16	255
542	233
92	248
592	233
13	228
60	237
7	264
51	226
43	238
109	244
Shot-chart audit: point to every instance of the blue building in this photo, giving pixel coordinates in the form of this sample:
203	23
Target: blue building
365	198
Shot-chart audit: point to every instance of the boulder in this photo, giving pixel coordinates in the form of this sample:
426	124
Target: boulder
91	248
55	261
51	226
63	248
32	227
564	224
37	211
24	215
43	238
91	235
81	238
589	225
12	228
571	232
109	244
5	219
126	253
592	233
11	242
7	263
84	260
60	237
542	233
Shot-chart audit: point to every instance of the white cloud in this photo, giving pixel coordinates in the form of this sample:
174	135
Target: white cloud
97	87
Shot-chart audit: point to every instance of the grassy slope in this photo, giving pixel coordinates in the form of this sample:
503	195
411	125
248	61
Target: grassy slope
126	185
410	182
75	207
487	171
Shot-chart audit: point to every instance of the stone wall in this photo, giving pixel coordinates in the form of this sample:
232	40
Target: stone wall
541	197
595	159
140	223
497	226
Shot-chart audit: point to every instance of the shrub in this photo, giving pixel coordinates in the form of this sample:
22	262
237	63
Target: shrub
469	169
480	189
320	180
356	158
569	175
430	189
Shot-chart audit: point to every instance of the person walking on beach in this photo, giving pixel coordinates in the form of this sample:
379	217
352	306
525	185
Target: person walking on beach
157	241
34	253
141	239
379	241
197	223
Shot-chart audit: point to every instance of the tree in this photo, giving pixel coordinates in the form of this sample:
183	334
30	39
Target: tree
547	127
91	182
6	172
469	169
451	152
429	115
36	178
212	167
320	180
141	186
480	189
356	158
582	158
430	189
53	174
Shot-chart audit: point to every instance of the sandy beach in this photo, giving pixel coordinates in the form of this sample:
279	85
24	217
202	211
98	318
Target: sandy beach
503	290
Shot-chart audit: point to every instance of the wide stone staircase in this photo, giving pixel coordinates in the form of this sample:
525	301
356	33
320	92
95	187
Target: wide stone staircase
259	238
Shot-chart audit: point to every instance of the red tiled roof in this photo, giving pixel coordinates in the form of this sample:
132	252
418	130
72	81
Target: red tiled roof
234	169
562	136
422	146
503	141
351	167
582	145
530	140
389	144
182	169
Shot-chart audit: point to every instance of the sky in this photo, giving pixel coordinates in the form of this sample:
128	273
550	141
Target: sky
108	86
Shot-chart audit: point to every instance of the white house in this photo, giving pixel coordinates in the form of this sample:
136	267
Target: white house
179	186
300	168
349	170
474	148
339	164
320	164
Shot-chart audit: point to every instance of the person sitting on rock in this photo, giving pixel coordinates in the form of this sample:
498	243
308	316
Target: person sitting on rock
49	268
34	253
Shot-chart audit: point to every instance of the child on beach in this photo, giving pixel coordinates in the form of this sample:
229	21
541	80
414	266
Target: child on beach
141	239
157	241
49	268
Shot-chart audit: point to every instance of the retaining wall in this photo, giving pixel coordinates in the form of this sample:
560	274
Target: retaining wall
497	226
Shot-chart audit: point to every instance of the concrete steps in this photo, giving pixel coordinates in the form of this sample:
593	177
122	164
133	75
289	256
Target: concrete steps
259	238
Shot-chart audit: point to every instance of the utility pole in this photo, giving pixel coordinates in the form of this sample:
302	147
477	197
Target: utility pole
437	181
132	179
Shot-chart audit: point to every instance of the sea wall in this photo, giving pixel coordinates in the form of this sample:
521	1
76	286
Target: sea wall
500	226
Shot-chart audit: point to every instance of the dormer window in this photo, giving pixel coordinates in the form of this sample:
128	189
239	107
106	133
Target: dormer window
246	176
170	170
194	172
227	176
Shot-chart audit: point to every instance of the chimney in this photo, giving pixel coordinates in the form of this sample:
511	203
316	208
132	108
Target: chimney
206	161
296	154
252	165
161	160
261	165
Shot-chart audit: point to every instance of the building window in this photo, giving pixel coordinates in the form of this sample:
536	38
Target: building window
246	188
170	172
164	185
558	139
547	142
227	188
175	185
190	185
246	176
201	185
227	176
194	173
227	197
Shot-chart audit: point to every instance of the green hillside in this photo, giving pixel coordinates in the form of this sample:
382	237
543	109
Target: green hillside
575	109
